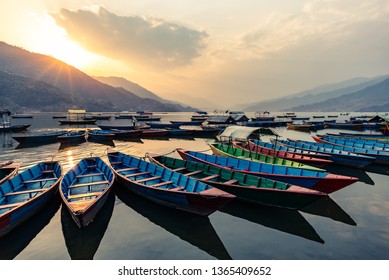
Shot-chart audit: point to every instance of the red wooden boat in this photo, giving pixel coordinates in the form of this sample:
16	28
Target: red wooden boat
313	161
154	133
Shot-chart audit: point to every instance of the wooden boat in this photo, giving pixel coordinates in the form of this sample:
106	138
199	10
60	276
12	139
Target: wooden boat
379	156
72	137
47	137
59	117
237	151
300	127
153	133
100	135
14	128
268	149
188	123
124	134
167	187
210	132
77	122
22	116
85	188
352	142
244	186
117	127
338	156
163	125
8	169
180	133
351	126
316	180
318	116
26	193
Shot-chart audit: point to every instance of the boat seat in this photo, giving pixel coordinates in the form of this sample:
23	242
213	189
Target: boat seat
127	169
91	166
136	174
47	171
177	189
90	175
5	206
179	169
193	173
210	177
147	179
231	182
24	192
161	184
84	195
39	180
116	162
88	184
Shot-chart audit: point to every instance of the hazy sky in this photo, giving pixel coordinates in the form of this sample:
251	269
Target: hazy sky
227	51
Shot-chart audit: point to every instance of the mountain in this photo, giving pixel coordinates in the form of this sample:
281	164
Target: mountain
130	86
74	84
315	95
372	98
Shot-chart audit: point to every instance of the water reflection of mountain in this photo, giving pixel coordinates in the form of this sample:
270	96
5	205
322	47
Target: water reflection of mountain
350	171
196	230
285	220
15	241
82	243
327	207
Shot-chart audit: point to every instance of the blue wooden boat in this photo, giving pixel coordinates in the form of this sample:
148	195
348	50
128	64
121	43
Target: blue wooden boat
8	169
316	180
167	187
72	137
245	186
47	137
100	135
337	156
379	156
180	133
26	193
85	188
352	142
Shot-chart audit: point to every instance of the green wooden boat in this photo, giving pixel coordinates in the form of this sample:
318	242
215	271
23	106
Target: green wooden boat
241	153
244	186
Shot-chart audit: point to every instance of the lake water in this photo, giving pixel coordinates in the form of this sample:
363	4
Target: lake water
352	223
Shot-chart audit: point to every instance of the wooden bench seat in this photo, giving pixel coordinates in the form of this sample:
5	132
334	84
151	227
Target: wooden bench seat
90	175
88	184
10	205
47	171
24	192
148	179
231	182
127	169
177	189
136	174
193	173
210	177
162	184
39	180
81	195
179	169
116	162
91	166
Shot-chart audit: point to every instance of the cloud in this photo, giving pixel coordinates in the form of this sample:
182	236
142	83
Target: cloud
149	42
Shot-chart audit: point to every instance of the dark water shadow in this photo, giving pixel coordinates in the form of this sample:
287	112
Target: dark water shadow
350	171
82	243
18	239
377	168
282	219
327	207
33	145
196	230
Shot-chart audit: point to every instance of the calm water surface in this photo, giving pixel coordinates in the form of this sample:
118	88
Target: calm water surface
351	224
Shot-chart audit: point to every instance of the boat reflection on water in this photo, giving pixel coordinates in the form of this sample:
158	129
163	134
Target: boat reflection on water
378	169
18	239
196	230
82	243
350	171
327	207
282	219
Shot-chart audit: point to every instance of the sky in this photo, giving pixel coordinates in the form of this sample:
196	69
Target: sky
217	53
